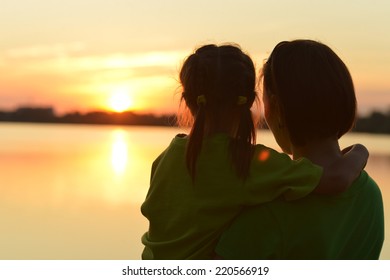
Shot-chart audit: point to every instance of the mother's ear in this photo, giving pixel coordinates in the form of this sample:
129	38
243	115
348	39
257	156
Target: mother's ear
275	109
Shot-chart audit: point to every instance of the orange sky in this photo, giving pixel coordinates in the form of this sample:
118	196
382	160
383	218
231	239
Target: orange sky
95	54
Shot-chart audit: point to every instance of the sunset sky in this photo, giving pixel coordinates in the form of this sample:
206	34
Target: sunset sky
125	54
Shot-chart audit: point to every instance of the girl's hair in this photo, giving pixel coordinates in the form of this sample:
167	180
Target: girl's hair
314	89
219	90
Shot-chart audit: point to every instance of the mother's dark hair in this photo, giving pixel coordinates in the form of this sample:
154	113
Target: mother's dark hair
314	88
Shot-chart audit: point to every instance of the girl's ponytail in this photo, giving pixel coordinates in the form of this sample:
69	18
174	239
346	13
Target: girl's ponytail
219	89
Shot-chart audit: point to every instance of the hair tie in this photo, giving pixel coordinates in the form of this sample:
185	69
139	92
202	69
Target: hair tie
201	99
241	100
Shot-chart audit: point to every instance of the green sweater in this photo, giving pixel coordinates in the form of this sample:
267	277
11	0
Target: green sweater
186	218
345	226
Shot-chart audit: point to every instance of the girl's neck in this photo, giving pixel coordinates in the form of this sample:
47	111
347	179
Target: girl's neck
228	125
323	152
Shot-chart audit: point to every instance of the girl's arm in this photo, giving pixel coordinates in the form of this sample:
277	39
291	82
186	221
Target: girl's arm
339	176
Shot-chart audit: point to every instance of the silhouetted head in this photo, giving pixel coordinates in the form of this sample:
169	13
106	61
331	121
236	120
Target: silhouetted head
309	90
219	90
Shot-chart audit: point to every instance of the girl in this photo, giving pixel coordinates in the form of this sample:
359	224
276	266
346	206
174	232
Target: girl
203	180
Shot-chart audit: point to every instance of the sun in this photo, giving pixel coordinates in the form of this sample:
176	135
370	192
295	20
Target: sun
120	100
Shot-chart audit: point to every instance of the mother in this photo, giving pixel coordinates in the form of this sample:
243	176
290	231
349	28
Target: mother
310	103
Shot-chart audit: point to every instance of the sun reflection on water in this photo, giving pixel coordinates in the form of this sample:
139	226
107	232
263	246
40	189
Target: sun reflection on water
119	153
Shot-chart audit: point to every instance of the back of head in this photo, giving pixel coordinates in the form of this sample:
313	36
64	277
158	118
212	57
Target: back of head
220	74
219	89
314	88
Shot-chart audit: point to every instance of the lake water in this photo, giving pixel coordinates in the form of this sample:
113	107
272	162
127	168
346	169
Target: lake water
74	191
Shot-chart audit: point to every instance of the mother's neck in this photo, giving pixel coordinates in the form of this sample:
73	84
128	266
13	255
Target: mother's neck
323	152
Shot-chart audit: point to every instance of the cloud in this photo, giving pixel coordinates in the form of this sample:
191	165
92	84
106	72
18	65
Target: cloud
126	60
44	51
68	59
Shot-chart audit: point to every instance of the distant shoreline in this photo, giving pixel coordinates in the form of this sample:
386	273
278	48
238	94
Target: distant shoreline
376	122
47	115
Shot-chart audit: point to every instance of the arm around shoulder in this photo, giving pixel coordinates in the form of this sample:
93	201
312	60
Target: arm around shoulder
340	175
